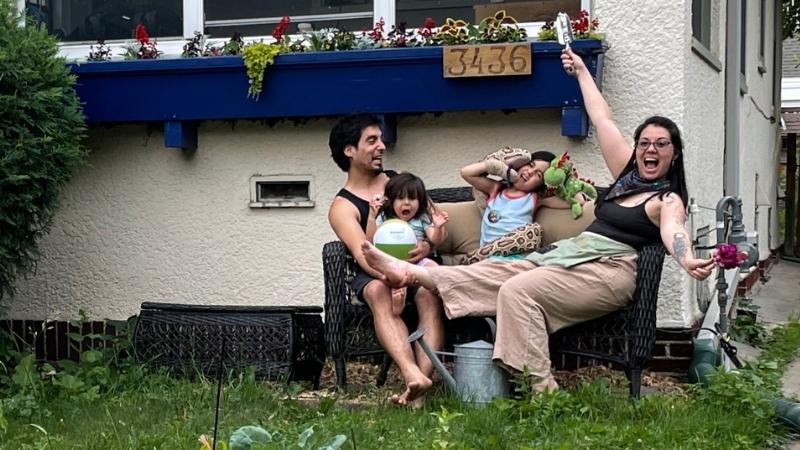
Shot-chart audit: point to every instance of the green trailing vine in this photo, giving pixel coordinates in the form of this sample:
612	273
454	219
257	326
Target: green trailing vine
257	56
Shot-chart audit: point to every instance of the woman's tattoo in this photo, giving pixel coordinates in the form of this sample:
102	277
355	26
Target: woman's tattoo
679	246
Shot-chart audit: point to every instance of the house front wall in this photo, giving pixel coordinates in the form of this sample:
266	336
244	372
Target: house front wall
145	223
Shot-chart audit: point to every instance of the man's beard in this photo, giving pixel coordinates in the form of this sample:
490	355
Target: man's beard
379	169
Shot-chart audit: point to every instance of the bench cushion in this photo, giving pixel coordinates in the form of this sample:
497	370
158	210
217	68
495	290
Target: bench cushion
464	227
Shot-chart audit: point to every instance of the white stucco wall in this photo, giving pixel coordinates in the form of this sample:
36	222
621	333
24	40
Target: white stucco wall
146	223
704	134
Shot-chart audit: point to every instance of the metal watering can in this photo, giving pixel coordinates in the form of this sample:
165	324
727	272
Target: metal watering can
476	378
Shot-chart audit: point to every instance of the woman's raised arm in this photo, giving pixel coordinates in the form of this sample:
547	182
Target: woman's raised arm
616	150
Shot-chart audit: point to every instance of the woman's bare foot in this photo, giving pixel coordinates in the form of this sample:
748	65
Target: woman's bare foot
398	301
396	272
414	390
547	384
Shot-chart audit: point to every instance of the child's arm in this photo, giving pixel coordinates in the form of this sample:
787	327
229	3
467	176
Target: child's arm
475	175
437	233
372	219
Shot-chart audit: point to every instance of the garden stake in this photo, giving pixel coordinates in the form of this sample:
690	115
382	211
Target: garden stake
219	391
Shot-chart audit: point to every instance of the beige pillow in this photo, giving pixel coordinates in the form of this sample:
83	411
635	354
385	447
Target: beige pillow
463	228
558	223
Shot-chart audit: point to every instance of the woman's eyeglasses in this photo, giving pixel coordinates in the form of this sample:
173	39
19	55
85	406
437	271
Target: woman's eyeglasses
660	144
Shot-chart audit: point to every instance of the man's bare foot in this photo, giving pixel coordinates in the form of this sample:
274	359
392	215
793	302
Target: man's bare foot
395	271
413	392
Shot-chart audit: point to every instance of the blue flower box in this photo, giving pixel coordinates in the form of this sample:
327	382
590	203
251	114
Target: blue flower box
182	91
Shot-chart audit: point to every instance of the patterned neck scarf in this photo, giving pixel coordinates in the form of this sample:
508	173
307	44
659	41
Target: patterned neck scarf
630	183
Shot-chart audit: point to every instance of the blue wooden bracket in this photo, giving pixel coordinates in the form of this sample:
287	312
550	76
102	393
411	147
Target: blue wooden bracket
180	134
389	128
574	121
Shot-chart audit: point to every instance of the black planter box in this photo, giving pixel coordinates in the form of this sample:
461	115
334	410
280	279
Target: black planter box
280	343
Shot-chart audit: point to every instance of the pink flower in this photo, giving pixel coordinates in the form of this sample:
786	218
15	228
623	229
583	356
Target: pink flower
728	257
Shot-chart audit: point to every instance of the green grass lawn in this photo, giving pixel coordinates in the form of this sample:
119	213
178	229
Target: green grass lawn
134	409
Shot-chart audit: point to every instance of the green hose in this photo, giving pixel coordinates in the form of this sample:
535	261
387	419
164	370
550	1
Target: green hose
705	358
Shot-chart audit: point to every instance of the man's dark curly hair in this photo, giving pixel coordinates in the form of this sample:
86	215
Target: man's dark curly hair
347	131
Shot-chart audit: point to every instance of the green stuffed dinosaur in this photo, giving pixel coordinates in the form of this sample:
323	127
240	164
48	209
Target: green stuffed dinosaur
563	181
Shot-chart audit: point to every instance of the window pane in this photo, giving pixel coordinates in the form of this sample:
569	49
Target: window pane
743	47
414	12
697	19
259	17
89	20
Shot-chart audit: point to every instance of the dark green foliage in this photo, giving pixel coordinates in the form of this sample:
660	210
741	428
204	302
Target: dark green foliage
791	18
41	133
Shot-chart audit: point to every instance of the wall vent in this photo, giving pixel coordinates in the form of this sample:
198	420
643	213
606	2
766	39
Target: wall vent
282	191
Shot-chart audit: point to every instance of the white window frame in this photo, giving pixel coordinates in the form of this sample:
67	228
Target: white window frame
706	47
193	20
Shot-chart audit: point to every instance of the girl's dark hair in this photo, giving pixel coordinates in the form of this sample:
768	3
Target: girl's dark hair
676	174
405	185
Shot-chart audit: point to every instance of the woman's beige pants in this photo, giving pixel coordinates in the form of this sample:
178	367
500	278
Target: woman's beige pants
531	302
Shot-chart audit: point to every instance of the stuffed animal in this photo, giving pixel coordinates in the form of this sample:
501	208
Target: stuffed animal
562	181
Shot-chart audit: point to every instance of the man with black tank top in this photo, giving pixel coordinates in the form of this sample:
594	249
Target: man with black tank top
357	149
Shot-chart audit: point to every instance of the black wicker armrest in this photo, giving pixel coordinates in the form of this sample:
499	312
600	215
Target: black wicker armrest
451	195
337	264
645	301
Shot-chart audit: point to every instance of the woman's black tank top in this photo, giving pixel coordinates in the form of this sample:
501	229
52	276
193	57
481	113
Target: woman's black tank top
629	225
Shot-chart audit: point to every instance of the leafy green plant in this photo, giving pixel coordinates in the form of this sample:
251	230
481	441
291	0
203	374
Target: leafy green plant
501	28
444	419
193	47
3	421
100	53
252	437
41	140
791	18
257	56
748	329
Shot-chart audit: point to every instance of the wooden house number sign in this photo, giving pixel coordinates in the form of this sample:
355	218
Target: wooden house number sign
487	60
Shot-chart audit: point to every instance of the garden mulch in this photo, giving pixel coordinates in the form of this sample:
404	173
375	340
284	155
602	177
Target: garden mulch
362	391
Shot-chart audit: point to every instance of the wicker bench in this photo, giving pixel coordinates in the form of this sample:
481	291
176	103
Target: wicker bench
280	343
625	337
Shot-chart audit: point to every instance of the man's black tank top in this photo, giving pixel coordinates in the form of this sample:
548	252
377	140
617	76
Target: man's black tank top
629	225
361	204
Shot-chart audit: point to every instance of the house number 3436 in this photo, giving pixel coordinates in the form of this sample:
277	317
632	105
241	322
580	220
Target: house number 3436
487	60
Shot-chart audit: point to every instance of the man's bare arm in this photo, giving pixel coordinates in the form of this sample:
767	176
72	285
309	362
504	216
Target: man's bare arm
343	218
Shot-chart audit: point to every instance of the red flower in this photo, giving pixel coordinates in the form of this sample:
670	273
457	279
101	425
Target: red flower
281	28
377	32
427	27
141	34
580	25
